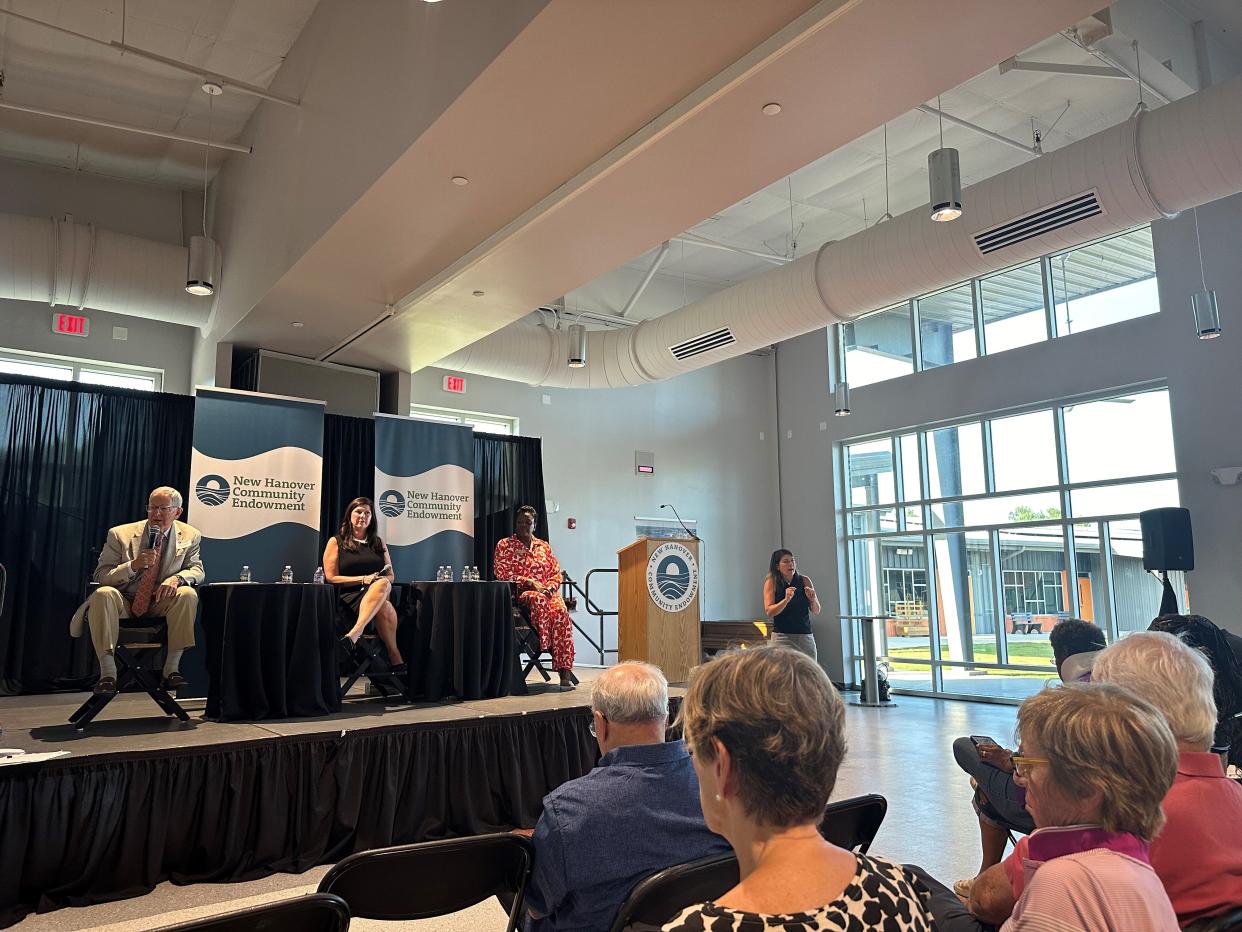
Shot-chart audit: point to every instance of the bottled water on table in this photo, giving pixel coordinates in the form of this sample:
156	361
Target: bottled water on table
286	575
245	574
319	575
465	574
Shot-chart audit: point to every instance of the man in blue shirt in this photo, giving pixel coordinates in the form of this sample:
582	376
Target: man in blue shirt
636	813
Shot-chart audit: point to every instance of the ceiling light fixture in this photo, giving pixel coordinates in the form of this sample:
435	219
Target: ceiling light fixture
577	346
1203	303
201	269
843	399
771	109
477	293
944	179
460	180
298	324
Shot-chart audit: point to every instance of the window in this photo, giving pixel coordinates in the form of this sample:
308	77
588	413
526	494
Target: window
975	540
90	372
480	423
1091	286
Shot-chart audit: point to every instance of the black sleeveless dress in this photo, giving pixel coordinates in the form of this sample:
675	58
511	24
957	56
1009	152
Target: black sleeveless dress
796	616
361	562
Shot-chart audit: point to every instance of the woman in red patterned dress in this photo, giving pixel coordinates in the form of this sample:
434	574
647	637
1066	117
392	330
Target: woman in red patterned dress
528	561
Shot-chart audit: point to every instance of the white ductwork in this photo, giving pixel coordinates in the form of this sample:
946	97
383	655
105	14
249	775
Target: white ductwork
63	263
1161	162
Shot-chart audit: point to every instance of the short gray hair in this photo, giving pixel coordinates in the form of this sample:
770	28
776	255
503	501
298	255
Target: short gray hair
631	692
168	490
1171	675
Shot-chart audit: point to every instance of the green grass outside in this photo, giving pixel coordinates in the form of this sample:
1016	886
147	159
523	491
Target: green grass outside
1030	653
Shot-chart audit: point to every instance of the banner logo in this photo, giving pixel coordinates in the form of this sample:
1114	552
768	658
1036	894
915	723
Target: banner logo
672	577
212	490
392	504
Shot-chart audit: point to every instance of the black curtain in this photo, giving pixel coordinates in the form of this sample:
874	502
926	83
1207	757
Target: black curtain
348	467
74	461
508	472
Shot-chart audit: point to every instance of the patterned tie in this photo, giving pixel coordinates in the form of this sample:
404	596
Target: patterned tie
146	583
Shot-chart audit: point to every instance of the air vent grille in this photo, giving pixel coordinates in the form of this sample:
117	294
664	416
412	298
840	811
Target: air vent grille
1045	220
713	339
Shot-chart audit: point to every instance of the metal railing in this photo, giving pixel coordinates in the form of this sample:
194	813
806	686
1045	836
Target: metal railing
568	587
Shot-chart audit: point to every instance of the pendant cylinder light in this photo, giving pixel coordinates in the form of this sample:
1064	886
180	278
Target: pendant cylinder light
201	272
945	179
1207	314
843	399
577	346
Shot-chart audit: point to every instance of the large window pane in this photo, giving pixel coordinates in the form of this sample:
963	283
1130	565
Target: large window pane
878	347
1137	592
1092	601
869	466
955	461
38	370
1042	506
1024	451
1130	498
1013	308
947	327
143	382
1131	435
1105	282
964	596
911	481
1033	590
906	600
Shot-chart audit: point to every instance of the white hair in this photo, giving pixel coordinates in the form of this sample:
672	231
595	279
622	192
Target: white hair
1171	675
173	495
631	692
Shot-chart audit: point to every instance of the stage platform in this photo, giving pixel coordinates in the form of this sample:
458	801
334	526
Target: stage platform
142	798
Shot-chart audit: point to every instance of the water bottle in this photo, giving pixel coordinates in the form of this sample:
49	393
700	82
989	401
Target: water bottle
474	574
286	575
319	576
440	573
245	574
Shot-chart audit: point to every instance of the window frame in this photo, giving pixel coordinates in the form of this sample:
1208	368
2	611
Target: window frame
437	414
78	365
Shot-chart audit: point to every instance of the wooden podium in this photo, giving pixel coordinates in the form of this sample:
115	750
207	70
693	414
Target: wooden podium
661	627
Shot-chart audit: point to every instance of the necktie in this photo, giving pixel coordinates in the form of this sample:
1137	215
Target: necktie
146	583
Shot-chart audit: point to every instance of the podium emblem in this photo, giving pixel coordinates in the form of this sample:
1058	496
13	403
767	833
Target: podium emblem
672	577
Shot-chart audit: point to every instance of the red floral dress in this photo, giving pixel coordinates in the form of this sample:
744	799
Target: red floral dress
548	614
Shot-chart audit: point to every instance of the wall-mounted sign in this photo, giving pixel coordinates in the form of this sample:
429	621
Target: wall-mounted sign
455	384
74	325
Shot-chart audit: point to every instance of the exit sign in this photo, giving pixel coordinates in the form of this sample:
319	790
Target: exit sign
455	384
74	325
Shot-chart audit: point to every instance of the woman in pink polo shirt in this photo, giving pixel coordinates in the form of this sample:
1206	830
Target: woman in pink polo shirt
1095	761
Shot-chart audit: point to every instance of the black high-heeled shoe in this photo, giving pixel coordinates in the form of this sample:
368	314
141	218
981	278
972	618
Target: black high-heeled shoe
347	645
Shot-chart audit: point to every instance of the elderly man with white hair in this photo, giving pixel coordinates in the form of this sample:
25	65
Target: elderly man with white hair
1197	855
147	568
636	813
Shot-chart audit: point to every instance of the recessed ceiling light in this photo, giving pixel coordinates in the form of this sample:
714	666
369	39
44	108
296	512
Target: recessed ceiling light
298	323
460	180
771	109
212	88
477	294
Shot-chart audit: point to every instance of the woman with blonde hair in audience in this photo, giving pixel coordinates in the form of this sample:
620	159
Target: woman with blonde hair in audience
766	730
1095	761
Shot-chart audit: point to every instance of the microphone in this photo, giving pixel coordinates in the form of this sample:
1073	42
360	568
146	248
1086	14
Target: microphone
679	521
153	535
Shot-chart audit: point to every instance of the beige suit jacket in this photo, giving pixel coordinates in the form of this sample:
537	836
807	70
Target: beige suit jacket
125	542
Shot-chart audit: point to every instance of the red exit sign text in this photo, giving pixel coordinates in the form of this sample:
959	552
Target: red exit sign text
455	384
72	324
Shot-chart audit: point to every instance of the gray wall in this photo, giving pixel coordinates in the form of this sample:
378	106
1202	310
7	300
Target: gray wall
1204	379
704	429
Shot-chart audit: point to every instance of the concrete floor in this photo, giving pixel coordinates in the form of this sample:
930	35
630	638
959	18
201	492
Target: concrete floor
902	752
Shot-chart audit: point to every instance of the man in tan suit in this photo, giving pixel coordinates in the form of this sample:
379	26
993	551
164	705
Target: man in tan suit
148	569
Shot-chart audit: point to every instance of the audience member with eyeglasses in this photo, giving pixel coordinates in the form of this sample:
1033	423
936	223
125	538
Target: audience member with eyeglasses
147	568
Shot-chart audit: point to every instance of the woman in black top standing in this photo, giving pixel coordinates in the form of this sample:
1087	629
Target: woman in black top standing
356	561
789	599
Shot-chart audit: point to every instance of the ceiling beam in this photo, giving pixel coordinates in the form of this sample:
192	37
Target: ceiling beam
650	274
123	127
976	128
1087	71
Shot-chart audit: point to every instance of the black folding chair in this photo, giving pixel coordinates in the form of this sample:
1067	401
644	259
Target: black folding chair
662	896
852	823
526	640
368	658
434	878
1230	921
319	912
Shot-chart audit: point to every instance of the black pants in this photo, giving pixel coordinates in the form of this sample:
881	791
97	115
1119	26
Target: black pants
947	909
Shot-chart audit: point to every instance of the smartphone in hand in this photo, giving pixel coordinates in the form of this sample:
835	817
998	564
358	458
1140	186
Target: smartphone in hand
980	740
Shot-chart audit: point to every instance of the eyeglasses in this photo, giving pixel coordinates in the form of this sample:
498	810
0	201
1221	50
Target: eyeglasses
591	727
161	509
1022	765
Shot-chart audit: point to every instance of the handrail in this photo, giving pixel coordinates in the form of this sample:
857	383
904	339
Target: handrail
568	587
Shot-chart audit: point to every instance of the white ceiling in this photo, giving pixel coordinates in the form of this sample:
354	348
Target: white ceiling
242	39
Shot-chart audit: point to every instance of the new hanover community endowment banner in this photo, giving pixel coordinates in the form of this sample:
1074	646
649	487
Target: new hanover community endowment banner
424	493
255	475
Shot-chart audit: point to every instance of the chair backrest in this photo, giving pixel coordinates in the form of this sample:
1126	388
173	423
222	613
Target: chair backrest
319	912
662	896
433	878
4	577
1230	921
852	823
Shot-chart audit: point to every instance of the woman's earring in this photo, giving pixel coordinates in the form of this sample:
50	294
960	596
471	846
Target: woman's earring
717	797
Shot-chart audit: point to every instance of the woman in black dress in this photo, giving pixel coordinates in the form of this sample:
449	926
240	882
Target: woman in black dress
789	599
357	562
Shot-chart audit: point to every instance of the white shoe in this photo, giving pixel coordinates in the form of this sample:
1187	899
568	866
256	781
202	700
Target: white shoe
963	887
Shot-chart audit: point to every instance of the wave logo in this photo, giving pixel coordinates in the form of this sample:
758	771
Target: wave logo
392	504
212	490
672	577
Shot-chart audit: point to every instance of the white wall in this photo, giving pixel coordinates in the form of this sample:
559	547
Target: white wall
710	463
1204	379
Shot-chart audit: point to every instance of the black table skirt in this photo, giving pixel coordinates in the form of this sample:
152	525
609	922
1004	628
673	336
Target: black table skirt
271	650
458	639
